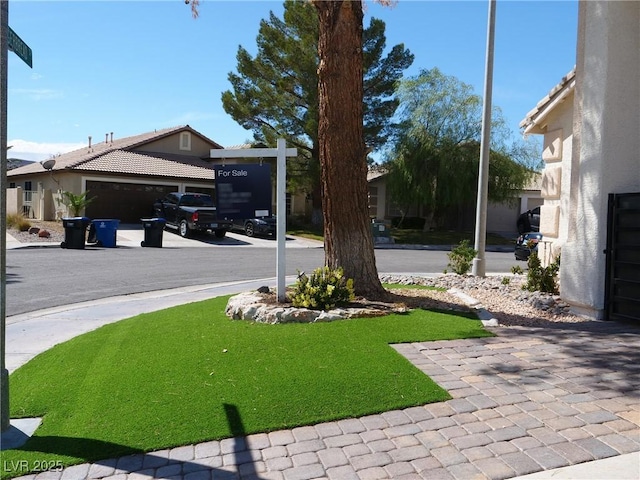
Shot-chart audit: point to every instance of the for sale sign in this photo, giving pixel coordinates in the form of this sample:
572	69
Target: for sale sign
243	191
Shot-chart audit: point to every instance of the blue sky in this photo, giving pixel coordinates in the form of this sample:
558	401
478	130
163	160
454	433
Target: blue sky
130	67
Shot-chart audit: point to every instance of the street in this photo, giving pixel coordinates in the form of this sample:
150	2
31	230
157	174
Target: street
39	278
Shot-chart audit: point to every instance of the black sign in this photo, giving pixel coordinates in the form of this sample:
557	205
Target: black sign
243	191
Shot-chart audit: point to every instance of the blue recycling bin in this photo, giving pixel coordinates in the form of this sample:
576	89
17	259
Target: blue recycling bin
75	229
153	228
106	231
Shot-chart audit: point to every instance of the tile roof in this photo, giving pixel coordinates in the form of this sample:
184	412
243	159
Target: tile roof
89	158
556	95
157	164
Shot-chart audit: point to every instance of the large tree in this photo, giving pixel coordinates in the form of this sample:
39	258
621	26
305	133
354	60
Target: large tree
347	228
341	144
275	93
434	161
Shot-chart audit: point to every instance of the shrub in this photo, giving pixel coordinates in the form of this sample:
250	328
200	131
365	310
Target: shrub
506	280
461	257
516	270
323	289
539	278
18	222
76	202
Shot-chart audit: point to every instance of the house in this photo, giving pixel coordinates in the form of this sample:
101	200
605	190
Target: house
552	117
125	175
591	181
501	217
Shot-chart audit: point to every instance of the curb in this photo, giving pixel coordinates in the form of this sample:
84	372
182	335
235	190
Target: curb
488	320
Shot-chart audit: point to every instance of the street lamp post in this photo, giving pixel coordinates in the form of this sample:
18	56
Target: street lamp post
478	268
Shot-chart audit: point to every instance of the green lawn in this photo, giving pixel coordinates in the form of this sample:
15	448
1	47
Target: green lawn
418	237
190	374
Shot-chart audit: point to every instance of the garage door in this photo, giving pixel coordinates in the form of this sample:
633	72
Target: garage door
127	202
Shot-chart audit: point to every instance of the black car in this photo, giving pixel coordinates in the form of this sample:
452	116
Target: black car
529	221
256	227
527	243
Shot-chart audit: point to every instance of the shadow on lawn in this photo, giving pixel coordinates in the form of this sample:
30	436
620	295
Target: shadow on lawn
173	462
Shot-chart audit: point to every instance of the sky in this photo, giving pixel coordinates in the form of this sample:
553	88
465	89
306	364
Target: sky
131	67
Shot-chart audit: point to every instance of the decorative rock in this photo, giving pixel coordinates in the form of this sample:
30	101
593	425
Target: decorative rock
44	234
34	230
263	289
253	306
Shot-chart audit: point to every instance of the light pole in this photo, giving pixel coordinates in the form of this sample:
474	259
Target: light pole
478	267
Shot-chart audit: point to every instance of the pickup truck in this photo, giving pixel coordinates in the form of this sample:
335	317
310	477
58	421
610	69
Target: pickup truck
189	212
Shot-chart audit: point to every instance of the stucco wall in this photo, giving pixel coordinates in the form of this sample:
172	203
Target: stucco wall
556	175
607	120
171	144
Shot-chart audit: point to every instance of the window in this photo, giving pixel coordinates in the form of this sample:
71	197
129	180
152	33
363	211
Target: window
373	201
185	141
27	186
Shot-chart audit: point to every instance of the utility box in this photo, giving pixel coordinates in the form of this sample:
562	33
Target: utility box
381	232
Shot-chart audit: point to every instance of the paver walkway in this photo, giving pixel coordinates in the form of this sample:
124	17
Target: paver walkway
525	401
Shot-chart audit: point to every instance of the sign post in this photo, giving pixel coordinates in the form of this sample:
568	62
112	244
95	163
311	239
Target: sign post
8	41
5	419
281	153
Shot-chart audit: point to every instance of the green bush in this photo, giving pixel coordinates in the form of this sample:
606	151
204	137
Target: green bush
516	270
323	289
76	203
539	278
461	258
506	280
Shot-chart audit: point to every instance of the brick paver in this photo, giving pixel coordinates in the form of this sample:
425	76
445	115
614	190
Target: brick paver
524	401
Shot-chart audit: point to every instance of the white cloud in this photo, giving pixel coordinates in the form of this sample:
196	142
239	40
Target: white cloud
35	151
38	94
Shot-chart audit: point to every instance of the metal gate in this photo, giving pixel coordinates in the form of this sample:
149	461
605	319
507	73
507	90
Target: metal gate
622	285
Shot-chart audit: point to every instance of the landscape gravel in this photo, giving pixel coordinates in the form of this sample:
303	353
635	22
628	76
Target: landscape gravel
55	232
504	299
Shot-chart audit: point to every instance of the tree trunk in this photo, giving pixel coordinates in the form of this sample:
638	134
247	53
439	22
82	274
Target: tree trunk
347	228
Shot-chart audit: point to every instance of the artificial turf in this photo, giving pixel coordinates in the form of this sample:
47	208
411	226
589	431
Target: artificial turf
190	374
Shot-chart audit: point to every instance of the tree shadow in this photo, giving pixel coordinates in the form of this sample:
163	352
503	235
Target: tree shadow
597	356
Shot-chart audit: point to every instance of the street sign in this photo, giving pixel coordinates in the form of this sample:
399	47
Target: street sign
19	47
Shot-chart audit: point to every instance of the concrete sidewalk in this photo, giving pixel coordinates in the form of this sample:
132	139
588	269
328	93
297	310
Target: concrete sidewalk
530	403
131	236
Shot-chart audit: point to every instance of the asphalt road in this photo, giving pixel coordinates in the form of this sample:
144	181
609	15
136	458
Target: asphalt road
40	278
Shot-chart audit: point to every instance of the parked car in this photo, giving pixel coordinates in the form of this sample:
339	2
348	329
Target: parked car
529	221
189	212
257	226
526	244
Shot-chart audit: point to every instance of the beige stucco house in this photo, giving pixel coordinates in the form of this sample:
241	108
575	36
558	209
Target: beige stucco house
125	175
591	127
